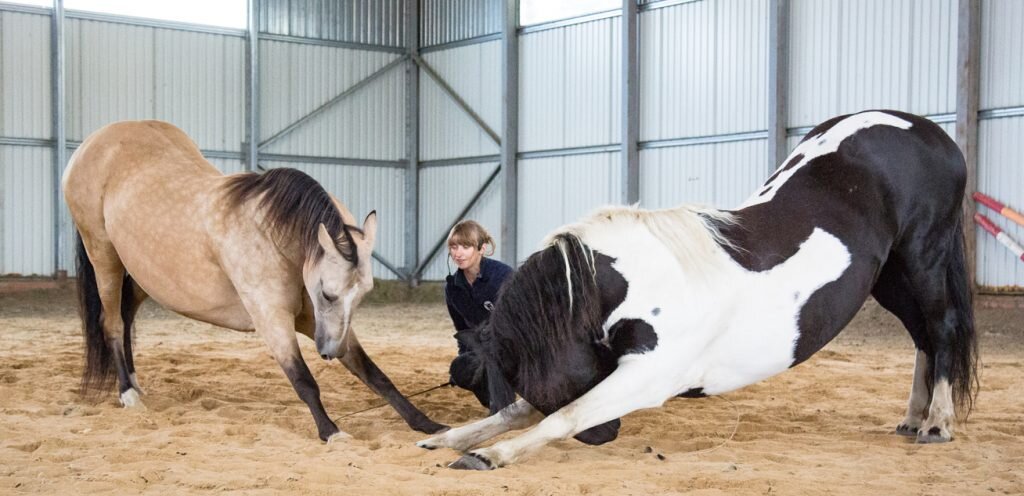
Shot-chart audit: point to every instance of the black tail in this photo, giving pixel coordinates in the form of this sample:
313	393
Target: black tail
99	360
964	369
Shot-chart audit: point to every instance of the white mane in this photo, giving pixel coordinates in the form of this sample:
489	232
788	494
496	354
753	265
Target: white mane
689	232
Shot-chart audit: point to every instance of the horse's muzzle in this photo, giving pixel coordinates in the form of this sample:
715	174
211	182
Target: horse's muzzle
328	348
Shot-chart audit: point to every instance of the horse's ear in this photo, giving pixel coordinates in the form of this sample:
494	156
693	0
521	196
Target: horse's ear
370	228
325	239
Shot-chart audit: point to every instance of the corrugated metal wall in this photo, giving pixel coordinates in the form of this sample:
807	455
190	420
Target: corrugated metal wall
1000	168
25	76
376	22
296	79
120	72
474	72
703	68
851	56
26	210
446	21
570	87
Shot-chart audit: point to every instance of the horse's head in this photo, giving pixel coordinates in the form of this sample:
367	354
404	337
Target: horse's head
543	337
337	280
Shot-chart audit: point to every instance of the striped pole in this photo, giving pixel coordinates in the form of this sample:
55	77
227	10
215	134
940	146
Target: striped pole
1002	237
1007	212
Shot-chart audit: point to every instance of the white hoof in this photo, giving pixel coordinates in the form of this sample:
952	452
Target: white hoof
130	399
339	437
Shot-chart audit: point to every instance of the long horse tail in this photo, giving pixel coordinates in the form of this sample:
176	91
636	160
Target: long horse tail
99	361
964	370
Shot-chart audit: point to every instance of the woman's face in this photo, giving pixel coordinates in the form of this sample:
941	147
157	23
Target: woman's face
466	257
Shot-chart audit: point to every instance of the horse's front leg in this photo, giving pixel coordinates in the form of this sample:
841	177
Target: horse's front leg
279	334
631	387
516	416
358	362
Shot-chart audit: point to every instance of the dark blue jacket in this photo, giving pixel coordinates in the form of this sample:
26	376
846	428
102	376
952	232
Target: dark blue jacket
469	306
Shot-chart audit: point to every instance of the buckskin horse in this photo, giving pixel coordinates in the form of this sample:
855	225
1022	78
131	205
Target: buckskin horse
272	253
628	307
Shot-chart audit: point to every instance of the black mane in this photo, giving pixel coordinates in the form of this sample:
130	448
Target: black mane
534	319
294	205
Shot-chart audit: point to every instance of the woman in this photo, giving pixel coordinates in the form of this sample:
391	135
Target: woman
471	294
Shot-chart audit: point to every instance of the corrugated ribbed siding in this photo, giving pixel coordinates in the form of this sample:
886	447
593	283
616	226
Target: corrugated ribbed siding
703	69
446	131
25	110
26	210
296	79
445	21
721	175
570	86
375	22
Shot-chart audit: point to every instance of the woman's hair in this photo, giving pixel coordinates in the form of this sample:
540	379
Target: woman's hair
471	233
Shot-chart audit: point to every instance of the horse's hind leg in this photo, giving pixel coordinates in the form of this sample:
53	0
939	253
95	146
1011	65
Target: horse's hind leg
102	277
132	298
938	277
894	293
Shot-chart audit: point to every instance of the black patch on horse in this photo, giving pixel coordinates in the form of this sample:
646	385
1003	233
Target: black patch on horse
693	393
632	336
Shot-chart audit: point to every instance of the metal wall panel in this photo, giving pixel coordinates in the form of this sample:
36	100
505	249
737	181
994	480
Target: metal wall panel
703	69
721	175
474	72
559	190
25	76
1002	42
445	21
851	56
375	22
228	165
296	79
362	190
26	210
120	72
570	86
1001	176
444	192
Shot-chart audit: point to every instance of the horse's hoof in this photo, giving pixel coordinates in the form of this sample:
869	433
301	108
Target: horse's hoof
933	435
130	399
906	430
338	437
472	461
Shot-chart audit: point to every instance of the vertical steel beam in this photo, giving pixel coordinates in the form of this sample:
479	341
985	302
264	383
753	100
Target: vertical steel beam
968	83
778	82
509	130
630	104
412	139
60	146
252	88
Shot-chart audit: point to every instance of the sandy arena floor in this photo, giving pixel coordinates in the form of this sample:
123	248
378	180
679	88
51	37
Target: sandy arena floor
222	417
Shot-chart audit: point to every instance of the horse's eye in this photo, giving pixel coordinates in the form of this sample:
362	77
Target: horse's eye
329	297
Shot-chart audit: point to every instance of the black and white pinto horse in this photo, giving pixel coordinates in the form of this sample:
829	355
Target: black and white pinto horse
629	308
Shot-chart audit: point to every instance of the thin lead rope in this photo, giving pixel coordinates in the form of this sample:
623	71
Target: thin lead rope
439	386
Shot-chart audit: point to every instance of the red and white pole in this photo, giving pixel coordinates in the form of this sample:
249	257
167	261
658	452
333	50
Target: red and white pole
1001	236
998	206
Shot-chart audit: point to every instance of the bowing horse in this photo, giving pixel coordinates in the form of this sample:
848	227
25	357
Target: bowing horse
272	253
629	307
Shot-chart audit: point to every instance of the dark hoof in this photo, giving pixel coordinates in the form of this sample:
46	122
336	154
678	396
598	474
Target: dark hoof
429	427
934	435
600	434
906	430
471	461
